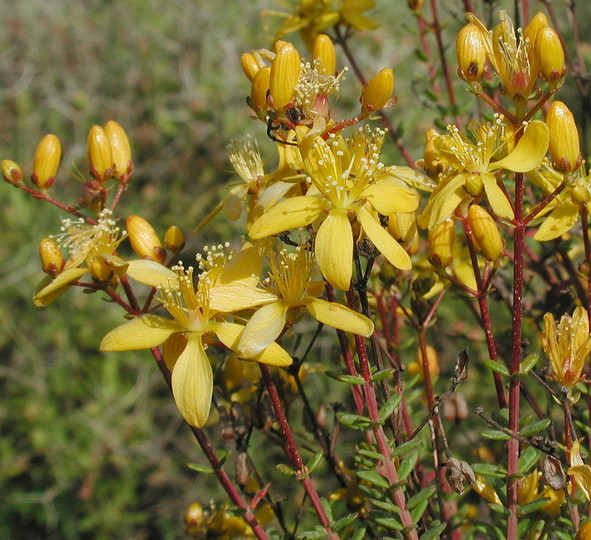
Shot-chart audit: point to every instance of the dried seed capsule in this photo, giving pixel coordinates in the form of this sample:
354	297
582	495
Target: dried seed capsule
485	233
121	151
471	53
100	154
378	91
174	239
11	172
46	161
441	244
52	260
564	144
549	54
324	55
144	240
285	73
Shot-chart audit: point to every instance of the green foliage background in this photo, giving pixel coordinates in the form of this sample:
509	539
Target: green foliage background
91	445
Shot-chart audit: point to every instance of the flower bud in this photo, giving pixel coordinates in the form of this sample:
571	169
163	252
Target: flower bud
538	21
52	260
100	154
250	66
584	531
144	240
101	270
258	93
11	172
121	151
378	91
194	517
415	5
474	185
46	161
402	227
487	238
471	53
549	54
174	239
564	144
580	195
431	158
441	244
324	55
285	73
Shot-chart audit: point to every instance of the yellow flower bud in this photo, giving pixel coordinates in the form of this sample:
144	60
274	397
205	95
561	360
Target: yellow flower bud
46	161
144	240
538	21
441	244
258	93
121	151
250	66
584	531
174	239
285	73
101	270
549	54
194	517
415	5
378	91
471	53
100	154
11	172
564	144
487	238
324	55
580	195
402	227
431	158
474	185
52	260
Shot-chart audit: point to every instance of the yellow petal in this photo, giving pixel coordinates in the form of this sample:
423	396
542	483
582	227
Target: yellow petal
142	332
237	296
582	476
340	317
411	177
58	286
382	239
244	267
230	333
192	383
263	328
443	202
334	249
234	201
151	273
496	197
529	151
288	214
560	220
390	196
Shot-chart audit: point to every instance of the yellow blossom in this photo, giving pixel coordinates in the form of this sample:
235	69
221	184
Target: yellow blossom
483	158
345	176
567	346
189	305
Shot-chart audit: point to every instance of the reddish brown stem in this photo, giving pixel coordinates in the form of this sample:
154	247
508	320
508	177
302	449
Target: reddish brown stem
44	197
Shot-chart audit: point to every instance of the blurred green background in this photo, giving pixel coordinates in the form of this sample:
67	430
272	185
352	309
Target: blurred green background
91	445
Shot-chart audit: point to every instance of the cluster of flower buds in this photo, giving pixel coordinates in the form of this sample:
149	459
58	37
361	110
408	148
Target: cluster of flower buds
518	58
109	153
287	91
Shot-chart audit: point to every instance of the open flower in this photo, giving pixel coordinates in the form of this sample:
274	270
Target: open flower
567	346
193	318
345	177
471	167
294	289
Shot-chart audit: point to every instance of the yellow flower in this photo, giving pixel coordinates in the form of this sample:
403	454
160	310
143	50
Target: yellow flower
311	17
345	176
294	289
470	164
567	346
89	245
193	317
579	471
529	492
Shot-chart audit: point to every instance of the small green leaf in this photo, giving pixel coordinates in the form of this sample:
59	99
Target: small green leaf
312	535
407	465
527	459
354	421
360	533
200	468
534	506
385	505
388	408
488	469
423	495
494	434
406	447
499	509
418	511
391	523
316	458
370	454
379	375
327	508
374	478
344	522
435	531
536	427
529	363
497	367
285	469
349	379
